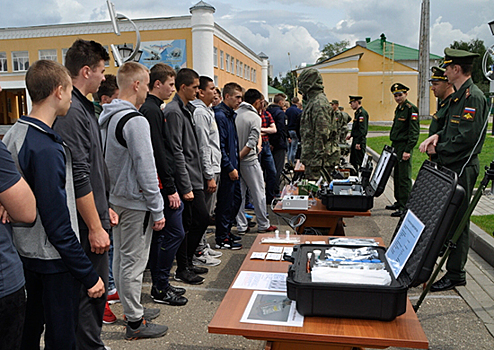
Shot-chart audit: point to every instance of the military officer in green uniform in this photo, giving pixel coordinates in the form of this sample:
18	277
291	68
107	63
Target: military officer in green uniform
359	132
404	135
318	127
443	90
457	146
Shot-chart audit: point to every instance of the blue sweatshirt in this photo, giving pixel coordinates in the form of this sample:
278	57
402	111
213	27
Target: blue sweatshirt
225	118
51	245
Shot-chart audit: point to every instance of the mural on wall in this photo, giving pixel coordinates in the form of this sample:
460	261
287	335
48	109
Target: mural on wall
171	52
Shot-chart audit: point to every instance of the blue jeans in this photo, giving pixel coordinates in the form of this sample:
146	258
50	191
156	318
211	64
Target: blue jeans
292	146
269	169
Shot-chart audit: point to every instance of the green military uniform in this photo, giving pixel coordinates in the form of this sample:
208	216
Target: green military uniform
359	134
404	136
318	127
463	132
342	119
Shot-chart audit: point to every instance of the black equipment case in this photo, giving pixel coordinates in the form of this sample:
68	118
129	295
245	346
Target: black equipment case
366	190
434	199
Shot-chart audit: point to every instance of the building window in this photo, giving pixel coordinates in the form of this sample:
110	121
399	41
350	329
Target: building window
254	76
215	80
237	67
64	53
48	55
247	73
228	63
232	62
222	62
20	61
246	70
215	57
3	62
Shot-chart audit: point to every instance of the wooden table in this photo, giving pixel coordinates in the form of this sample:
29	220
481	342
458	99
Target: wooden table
318	333
318	216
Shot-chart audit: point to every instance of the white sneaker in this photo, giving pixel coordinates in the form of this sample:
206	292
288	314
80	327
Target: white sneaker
205	260
211	252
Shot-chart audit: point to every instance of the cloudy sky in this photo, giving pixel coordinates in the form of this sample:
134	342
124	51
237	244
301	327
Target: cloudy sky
278	27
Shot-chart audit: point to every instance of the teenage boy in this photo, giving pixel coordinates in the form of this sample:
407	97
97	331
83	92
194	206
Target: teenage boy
55	264
85	61
134	195
165	243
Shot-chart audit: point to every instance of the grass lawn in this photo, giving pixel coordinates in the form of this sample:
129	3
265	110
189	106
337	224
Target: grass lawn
485	222
485	157
379	128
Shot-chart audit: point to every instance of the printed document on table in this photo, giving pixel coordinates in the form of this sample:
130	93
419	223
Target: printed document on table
403	244
261	281
272	309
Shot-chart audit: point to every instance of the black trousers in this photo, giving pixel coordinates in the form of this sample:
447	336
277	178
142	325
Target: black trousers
13	310
228	204
52	301
195	218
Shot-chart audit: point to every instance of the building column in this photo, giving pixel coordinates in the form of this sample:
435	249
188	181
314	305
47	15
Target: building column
202	38
265	68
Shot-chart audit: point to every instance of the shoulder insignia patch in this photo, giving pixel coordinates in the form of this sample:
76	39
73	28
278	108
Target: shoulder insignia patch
468	114
361	118
415	116
467	93
409	105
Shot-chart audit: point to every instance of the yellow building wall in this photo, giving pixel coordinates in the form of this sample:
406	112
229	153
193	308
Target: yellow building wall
225	77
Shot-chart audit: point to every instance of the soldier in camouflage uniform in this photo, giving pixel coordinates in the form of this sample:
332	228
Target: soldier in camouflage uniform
404	136
318	127
457	146
343	127
359	132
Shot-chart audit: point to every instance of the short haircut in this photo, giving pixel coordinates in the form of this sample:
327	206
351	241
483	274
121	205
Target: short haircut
84	53
43	77
130	72
295	100
204	82
230	88
278	98
465	68
107	87
252	95
185	76
218	91
342	108
160	71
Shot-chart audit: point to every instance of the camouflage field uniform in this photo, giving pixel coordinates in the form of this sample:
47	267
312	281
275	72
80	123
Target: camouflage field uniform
343	118
318	127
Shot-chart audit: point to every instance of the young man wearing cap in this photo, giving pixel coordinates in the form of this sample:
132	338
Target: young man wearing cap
443	90
457	146
359	132
404	135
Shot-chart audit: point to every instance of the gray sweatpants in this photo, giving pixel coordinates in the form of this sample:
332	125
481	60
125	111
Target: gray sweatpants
131	243
251	177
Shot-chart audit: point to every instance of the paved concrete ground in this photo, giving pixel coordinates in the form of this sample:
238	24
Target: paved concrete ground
460	319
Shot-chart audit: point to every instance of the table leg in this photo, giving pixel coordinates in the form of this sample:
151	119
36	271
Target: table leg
288	345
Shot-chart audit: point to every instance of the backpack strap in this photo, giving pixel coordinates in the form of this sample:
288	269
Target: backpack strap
120	126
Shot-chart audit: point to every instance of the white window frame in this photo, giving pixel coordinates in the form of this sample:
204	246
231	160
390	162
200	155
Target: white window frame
3	62
222	61
232	65
22	60
228	63
215	57
48	54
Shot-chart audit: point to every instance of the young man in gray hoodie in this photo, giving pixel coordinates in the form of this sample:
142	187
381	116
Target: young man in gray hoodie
134	195
248	124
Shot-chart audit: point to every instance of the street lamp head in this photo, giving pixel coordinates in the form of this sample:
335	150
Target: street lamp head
491	26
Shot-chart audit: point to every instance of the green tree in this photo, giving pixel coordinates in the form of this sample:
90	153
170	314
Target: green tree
288	84
332	49
475	45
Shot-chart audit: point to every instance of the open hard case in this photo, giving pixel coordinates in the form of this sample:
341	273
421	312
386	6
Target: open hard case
434	199
359	195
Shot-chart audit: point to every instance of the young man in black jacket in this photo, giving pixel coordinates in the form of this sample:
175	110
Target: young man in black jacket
165	243
279	140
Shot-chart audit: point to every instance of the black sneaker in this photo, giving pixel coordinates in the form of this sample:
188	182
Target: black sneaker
145	330
236	238
228	244
167	297
188	276
198	270
177	290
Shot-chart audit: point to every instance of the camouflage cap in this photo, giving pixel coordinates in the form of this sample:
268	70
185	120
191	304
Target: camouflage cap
455	56
354	98
399	88
438	74
334	102
310	79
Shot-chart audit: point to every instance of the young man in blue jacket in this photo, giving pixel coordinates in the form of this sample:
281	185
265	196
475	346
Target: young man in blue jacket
55	265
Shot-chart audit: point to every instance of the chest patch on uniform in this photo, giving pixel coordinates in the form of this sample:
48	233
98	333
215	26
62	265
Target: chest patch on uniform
402	119
415	116
468	114
455	121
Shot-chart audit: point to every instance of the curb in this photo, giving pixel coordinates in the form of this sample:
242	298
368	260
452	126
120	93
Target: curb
480	241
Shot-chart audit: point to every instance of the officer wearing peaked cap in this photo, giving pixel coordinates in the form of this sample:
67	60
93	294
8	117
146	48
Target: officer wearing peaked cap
457	146
359	132
443	90
404	135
